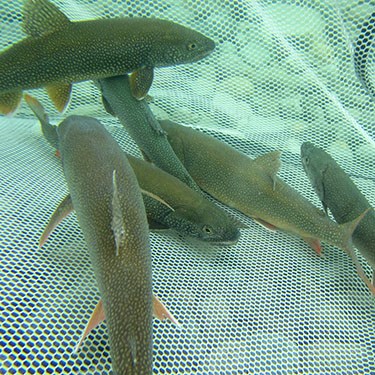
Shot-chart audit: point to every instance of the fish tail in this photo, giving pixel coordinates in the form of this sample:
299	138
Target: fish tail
48	130
347	229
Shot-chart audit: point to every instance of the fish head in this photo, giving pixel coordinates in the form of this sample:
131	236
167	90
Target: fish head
315	164
205	225
180	45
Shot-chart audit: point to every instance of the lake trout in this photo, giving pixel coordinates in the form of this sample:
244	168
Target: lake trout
341	196
111	214
171	204
252	187
139	121
59	52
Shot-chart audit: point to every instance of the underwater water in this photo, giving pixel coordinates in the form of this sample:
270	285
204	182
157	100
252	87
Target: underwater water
282	73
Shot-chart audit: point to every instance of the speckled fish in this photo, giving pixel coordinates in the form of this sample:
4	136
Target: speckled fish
111	214
252	187
364	49
339	193
58	52
169	202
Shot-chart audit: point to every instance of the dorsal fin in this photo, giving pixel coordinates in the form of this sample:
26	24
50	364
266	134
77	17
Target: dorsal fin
270	163
41	17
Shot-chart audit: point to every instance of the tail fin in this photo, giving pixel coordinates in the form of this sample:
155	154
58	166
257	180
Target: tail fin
348	229
48	130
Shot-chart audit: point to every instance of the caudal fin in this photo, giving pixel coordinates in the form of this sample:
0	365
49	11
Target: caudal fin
348	229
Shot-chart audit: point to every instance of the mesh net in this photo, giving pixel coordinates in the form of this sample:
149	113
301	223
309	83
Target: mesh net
282	73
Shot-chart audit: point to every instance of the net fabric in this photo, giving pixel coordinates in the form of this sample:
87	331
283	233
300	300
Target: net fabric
282	73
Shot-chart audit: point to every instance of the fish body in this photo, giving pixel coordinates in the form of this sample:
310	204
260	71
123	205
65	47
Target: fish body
110	212
341	196
191	214
252	187
58	52
139	121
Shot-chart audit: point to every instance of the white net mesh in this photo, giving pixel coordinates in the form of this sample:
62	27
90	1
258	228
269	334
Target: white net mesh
282	73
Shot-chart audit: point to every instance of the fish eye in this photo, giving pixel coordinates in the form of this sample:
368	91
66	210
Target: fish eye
192	46
306	161
207	229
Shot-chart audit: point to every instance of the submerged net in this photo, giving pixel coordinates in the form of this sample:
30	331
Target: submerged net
283	73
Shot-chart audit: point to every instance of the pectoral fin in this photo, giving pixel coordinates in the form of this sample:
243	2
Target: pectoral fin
41	17
9	102
61	212
161	312
60	94
98	315
140	82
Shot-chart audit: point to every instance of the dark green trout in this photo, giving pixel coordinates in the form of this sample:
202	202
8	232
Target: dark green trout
339	193
169	202
58	52
110	211
252	187
139	121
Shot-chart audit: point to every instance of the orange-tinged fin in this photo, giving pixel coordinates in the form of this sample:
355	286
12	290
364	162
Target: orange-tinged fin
140	82
98	315
161	312
61	212
270	163
10	101
60	94
41	17
315	244
96	318
57	154
265	224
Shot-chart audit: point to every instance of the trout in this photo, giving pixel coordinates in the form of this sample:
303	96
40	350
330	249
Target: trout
169	202
252	187
59	52
340	195
111	214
